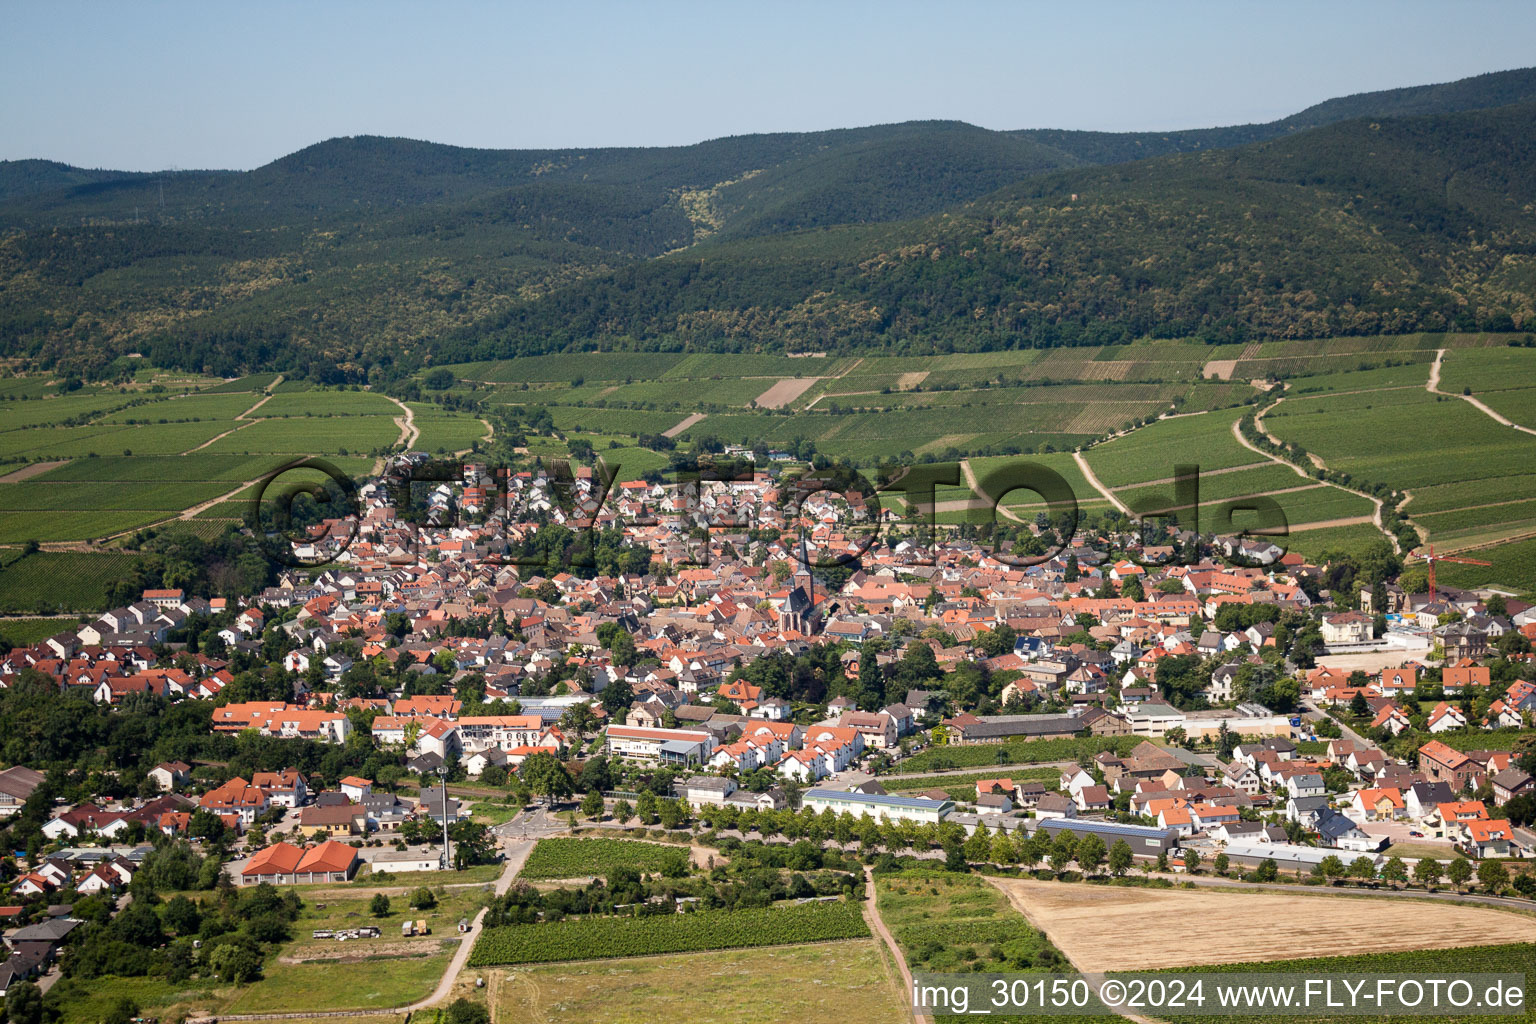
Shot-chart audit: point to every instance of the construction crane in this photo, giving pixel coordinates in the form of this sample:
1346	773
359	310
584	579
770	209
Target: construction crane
1432	558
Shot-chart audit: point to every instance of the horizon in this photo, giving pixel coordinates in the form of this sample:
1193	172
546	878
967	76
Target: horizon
173	90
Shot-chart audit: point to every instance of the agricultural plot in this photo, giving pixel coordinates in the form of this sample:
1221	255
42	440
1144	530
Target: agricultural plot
445	431
48	496
1485	370
830	981
579	858
311	434
1445	963
25	632
1514	566
328	403
1076	918
591	938
963	787
1387	378
977	755
199	406
19	527
242	385
1313	544
592	365
370	984
616	421
74	580
1151	452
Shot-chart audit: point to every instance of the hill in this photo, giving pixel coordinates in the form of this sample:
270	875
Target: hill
371	253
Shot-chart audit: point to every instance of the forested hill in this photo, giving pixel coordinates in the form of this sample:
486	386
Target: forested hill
386	253
1497	89
1360	227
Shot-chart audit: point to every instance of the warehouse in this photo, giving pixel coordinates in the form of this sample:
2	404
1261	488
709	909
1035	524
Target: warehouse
1290	857
1143	840
879	806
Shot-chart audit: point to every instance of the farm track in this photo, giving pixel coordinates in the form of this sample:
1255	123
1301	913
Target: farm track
878	929
1088	475
1433	387
1374	518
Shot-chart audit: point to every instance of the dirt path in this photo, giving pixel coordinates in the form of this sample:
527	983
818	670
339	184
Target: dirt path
516	858
220	437
1433	386
687	422
969	475
877	926
28	472
270	389
409	432
1088	475
1374	518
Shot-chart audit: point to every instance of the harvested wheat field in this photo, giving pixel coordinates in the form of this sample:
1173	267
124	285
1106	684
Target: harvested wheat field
1105	928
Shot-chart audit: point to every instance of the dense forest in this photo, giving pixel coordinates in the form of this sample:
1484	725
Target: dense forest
365	258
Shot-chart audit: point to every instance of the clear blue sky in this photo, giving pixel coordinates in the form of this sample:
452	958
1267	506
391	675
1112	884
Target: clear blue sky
146	86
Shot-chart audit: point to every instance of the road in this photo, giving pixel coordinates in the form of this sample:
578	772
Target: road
517	852
1433	387
1082	464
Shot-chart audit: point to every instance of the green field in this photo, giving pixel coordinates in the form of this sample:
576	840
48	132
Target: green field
591	938
578	858
76	581
977	755
963	787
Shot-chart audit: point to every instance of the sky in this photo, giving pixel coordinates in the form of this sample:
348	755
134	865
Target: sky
157	85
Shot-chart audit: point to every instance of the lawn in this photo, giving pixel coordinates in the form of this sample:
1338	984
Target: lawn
833	981
469	876
375	983
963	787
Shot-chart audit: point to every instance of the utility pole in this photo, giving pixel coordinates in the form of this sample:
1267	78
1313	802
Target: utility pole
442	779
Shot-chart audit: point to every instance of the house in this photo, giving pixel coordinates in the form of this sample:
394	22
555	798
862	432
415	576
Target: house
354	788
1421	798
239	798
968	728
1052	805
1510	783
284	789
335	820
1384	804
1440	763
1301	784
704	790
1349	627
1094	798
1487	838
661	746
171	775
1445	717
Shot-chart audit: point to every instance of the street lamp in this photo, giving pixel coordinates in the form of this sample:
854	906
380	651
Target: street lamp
442	780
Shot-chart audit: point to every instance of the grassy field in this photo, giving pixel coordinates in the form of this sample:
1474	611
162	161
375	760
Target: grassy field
373	983
828	981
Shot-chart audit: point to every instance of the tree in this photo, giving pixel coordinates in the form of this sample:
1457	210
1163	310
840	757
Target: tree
1492	875
1395	871
1090	853
1267	871
235	963
622	811
379	905
1428	872
423	898
1120	858
546	776
645	807
1460	872
592	804
1358	708
23	1003
122	1012
181	915
1222	863
1363	868
1191	860
463	1011
1331	867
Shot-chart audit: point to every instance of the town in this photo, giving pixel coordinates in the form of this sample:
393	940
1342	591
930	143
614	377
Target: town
416	707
